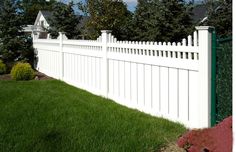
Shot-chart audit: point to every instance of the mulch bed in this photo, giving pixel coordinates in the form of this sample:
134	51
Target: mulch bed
39	76
215	139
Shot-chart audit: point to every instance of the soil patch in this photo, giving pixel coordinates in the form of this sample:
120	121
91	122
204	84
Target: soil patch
5	77
172	147
42	76
38	76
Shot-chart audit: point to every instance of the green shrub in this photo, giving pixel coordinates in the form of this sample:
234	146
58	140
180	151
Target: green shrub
22	71
3	67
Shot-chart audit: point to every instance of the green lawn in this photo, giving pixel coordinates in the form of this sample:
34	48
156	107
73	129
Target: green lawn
52	116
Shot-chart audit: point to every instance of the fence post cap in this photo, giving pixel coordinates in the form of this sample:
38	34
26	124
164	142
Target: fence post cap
106	31
204	27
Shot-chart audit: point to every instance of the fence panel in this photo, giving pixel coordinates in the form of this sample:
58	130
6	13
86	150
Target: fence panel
163	79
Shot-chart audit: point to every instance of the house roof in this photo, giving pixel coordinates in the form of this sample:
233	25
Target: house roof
199	12
48	14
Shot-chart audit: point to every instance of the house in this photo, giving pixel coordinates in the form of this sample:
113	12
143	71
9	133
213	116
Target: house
41	24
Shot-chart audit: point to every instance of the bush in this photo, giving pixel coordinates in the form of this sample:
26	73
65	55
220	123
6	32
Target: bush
22	71
3	67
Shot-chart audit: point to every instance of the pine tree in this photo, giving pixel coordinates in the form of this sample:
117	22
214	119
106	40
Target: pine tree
14	46
220	16
64	20
108	15
1	3
166	20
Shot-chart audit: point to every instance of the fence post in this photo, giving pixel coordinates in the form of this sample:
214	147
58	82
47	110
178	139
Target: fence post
104	74
61	35
205	47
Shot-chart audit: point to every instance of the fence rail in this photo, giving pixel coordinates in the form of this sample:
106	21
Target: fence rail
170	80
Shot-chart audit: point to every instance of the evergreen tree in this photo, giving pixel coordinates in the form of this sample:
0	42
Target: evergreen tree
220	16
31	8
166	20
14	46
1	3
107	15
64	20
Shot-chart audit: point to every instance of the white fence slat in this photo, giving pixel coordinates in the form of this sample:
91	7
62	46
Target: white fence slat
155	90
92	72
111	76
100	73
184	42
116	78
183	96
122	79
193	99
164	90
195	38
148	88
86	71
173	93
97	73
66	72
134	84
80	70
140	86
189	40
83	69
77	69
73	67
127	81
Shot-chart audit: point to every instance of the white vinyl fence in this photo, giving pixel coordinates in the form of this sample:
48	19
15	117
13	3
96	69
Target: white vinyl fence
169	80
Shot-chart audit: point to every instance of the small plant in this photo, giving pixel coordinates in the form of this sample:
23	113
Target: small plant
3	67
22	71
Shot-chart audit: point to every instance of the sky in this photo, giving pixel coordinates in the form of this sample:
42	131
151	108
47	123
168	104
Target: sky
130	3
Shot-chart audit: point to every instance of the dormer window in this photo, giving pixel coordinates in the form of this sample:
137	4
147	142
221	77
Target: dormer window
42	23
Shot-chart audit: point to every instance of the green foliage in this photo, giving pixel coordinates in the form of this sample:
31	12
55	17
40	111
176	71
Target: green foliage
64	20
1	3
3	67
167	20
224	80
14	45
220	16
31	8
22	71
10	31
107	15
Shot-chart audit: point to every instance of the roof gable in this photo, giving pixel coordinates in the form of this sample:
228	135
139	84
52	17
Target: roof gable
45	14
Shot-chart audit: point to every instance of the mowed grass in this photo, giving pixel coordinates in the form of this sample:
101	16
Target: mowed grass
47	116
